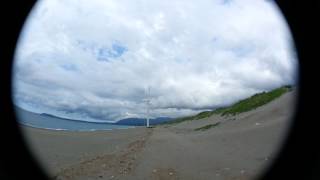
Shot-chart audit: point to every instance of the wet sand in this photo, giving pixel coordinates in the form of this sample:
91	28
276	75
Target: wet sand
239	147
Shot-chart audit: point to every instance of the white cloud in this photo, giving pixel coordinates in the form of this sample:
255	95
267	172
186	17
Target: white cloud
94	59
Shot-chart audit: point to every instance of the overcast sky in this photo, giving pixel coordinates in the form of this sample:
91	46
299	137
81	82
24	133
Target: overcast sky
93	60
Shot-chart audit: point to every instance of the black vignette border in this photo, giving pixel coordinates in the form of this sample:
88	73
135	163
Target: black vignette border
300	155
16	161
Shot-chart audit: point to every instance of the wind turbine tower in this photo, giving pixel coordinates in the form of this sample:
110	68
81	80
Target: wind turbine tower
148	102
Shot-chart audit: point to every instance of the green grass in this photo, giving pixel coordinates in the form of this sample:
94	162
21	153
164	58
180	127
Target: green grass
206	127
244	105
255	101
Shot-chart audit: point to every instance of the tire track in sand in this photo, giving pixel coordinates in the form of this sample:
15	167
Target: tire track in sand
109	166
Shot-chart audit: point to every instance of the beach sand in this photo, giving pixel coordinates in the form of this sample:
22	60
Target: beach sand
239	147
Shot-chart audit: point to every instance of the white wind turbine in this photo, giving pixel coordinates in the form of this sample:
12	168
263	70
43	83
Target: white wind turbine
147	100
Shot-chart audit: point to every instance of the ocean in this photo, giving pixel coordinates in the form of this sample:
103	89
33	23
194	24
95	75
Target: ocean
54	123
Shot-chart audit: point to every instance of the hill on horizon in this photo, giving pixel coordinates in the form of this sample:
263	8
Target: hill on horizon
125	122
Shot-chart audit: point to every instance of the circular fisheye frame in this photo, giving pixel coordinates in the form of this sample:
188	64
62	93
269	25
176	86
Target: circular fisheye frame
215	80
155	90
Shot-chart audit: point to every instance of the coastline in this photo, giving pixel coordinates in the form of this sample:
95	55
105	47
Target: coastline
23	125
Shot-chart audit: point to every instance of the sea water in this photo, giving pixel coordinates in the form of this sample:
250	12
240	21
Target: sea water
54	123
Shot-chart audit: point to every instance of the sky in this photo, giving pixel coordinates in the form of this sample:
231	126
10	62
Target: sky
94	60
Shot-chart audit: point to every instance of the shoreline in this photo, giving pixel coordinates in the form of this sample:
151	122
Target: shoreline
90	130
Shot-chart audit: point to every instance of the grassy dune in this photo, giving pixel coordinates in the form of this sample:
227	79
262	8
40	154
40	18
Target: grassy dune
209	126
241	106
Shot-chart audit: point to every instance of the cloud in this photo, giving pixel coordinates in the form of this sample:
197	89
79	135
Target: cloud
95	59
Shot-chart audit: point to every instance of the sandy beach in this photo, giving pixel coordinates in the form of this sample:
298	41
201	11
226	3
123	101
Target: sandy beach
238	147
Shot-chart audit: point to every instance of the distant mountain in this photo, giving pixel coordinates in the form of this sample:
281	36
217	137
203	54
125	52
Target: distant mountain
54	116
50	115
142	121
126	122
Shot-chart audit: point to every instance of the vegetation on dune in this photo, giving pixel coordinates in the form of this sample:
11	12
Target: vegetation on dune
206	127
241	106
255	101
